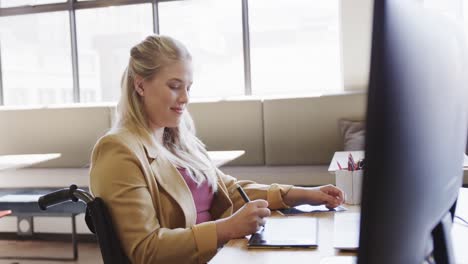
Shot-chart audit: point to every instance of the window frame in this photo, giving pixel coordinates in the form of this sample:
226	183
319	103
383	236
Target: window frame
72	5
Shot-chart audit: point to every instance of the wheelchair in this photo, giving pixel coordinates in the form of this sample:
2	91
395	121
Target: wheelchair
97	219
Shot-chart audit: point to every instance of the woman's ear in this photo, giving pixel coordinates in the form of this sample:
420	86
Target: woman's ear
138	85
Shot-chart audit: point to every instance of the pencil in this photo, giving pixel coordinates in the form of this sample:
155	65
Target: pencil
339	165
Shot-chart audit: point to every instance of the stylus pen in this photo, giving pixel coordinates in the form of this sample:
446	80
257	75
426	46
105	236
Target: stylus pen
246	199
243	194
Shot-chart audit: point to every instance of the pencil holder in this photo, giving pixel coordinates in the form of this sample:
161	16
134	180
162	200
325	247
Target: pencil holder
351	183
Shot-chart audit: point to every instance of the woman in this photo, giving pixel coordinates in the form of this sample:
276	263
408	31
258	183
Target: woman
170	204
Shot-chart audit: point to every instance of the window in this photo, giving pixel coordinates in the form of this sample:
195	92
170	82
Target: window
294	46
36	59
105	37
212	31
465	18
14	3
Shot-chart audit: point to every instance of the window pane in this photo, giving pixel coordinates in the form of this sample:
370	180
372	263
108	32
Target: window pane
12	3
36	59
294	46
105	36
212	31
465	17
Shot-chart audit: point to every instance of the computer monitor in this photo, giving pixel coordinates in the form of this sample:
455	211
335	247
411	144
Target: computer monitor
416	134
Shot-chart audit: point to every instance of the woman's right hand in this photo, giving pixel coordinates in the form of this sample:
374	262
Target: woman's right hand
247	220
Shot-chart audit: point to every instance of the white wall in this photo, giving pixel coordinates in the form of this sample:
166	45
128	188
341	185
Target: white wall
356	28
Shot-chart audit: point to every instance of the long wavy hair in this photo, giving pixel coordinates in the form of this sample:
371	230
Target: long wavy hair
180	144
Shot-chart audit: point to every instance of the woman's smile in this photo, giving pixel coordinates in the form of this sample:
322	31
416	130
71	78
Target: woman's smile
178	110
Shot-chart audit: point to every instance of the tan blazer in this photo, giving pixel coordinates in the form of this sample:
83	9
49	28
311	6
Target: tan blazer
152	207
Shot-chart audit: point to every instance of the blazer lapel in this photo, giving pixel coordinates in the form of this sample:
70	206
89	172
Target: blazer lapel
173	183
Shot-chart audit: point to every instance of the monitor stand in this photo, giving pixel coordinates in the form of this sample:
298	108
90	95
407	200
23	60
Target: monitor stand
443	248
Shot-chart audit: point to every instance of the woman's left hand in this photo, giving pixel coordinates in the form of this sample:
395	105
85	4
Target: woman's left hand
328	195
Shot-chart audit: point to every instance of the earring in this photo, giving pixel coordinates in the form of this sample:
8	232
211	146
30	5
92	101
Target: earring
140	89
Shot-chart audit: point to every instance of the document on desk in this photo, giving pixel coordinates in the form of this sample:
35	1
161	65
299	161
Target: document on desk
286	232
306	208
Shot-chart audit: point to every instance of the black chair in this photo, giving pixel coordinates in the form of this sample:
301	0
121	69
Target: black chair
97	219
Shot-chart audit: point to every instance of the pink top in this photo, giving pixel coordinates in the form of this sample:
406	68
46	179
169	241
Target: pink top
202	195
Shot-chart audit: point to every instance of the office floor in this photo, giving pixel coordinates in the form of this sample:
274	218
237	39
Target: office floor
87	252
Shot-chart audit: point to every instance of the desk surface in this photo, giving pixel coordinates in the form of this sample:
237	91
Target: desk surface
235	251
9	162
220	158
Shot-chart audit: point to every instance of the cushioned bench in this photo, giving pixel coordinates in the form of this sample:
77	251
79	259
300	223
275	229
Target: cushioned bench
286	140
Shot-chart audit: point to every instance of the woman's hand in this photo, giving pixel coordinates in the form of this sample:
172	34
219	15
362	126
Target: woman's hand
247	220
328	195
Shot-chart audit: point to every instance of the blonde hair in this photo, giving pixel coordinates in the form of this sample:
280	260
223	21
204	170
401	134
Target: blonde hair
180	144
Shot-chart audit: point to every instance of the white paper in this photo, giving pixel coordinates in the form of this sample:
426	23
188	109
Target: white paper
307	208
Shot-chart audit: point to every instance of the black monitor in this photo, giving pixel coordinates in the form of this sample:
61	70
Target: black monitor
416	133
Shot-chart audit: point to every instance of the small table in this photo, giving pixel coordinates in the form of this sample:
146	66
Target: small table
220	158
23	204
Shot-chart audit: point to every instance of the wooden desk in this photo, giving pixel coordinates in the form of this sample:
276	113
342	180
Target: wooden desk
9	162
220	158
235	251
